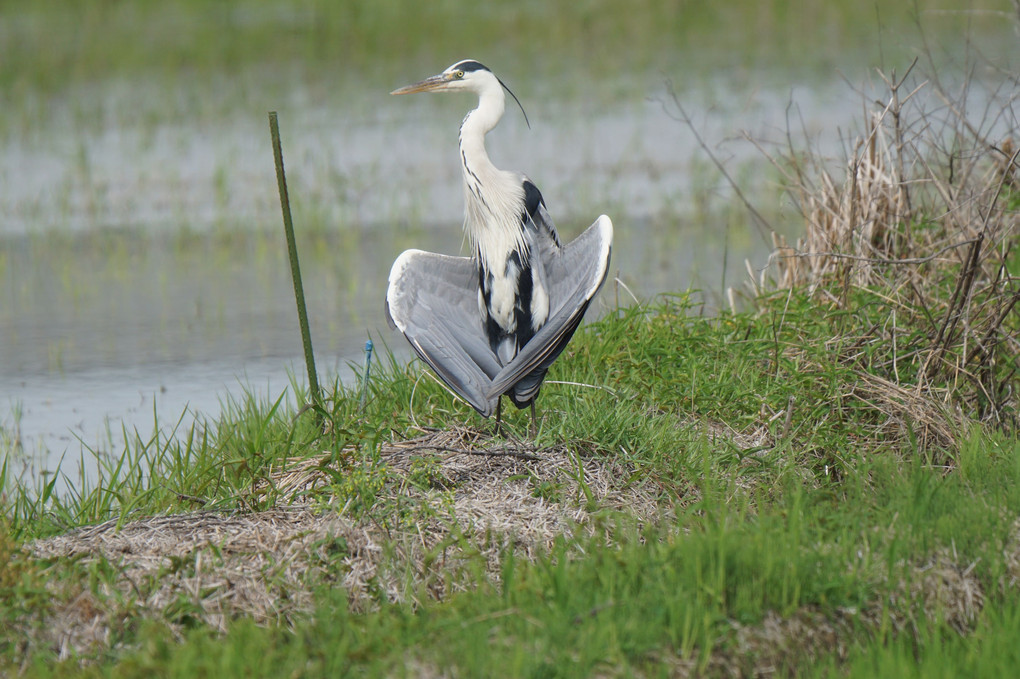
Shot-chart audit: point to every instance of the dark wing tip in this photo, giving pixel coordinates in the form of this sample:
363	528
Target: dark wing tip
532	199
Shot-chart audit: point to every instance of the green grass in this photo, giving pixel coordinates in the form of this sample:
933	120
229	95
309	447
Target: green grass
657	597
989	651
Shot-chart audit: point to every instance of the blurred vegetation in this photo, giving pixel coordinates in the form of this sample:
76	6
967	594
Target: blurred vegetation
345	41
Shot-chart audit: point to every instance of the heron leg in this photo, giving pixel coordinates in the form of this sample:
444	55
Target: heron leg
499	416
534	428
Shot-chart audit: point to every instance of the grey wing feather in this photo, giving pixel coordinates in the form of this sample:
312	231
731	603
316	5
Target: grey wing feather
433	300
574	274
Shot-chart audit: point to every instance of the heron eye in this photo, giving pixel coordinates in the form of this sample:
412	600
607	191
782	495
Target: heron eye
460	74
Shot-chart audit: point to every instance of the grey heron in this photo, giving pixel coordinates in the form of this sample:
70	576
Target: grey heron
493	323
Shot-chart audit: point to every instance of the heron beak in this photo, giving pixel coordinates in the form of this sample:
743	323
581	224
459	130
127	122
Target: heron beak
436	82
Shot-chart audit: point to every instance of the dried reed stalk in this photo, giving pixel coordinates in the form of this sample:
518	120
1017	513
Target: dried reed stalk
924	214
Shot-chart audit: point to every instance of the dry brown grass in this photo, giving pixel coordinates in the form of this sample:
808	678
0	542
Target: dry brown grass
917	188
922	215
454	501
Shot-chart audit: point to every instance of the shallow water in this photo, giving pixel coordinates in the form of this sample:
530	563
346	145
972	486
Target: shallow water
143	266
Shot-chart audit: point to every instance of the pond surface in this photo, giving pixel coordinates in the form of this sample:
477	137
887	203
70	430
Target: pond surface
143	270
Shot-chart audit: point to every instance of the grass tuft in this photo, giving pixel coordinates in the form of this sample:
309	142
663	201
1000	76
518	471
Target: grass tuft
912	249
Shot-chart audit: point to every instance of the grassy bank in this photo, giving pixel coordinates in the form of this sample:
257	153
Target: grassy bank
734	502
735	495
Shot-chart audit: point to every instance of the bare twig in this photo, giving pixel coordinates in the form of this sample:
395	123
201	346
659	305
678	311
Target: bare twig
762	224
498	452
874	260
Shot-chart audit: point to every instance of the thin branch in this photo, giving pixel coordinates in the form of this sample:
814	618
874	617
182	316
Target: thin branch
582	384
499	452
621	284
873	260
760	222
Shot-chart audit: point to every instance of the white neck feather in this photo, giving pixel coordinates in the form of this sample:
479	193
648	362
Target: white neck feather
493	198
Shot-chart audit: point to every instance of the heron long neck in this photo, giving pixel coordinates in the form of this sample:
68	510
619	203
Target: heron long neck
476	125
493	198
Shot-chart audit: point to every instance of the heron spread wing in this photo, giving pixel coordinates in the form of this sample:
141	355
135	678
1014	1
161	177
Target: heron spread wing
575	273
493	325
433	300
